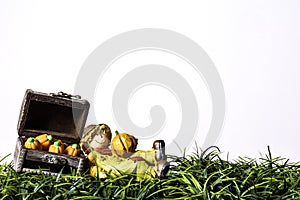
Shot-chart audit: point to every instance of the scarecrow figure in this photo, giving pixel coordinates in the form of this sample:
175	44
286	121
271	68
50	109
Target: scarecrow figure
122	156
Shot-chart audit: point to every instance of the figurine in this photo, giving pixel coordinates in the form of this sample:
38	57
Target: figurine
123	158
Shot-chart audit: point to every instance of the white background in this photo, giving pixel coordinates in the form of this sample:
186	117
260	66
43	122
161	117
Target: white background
255	46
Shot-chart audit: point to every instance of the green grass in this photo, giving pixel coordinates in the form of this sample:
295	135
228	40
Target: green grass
202	175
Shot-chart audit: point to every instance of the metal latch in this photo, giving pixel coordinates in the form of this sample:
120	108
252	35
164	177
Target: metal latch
65	95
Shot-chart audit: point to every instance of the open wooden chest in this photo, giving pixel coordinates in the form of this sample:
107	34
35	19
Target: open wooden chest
61	115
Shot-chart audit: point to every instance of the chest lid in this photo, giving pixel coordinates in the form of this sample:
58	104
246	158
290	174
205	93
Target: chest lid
60	115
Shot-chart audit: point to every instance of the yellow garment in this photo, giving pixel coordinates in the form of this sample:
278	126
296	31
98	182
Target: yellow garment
143	167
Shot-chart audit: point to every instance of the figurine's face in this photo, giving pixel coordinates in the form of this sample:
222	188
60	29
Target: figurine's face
100	141
96	136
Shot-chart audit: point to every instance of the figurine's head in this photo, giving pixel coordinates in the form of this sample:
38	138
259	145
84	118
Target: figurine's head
96	137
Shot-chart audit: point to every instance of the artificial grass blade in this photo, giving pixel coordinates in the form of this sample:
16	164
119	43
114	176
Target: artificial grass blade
201	175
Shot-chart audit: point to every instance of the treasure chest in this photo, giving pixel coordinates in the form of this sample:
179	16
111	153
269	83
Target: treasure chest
60	115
